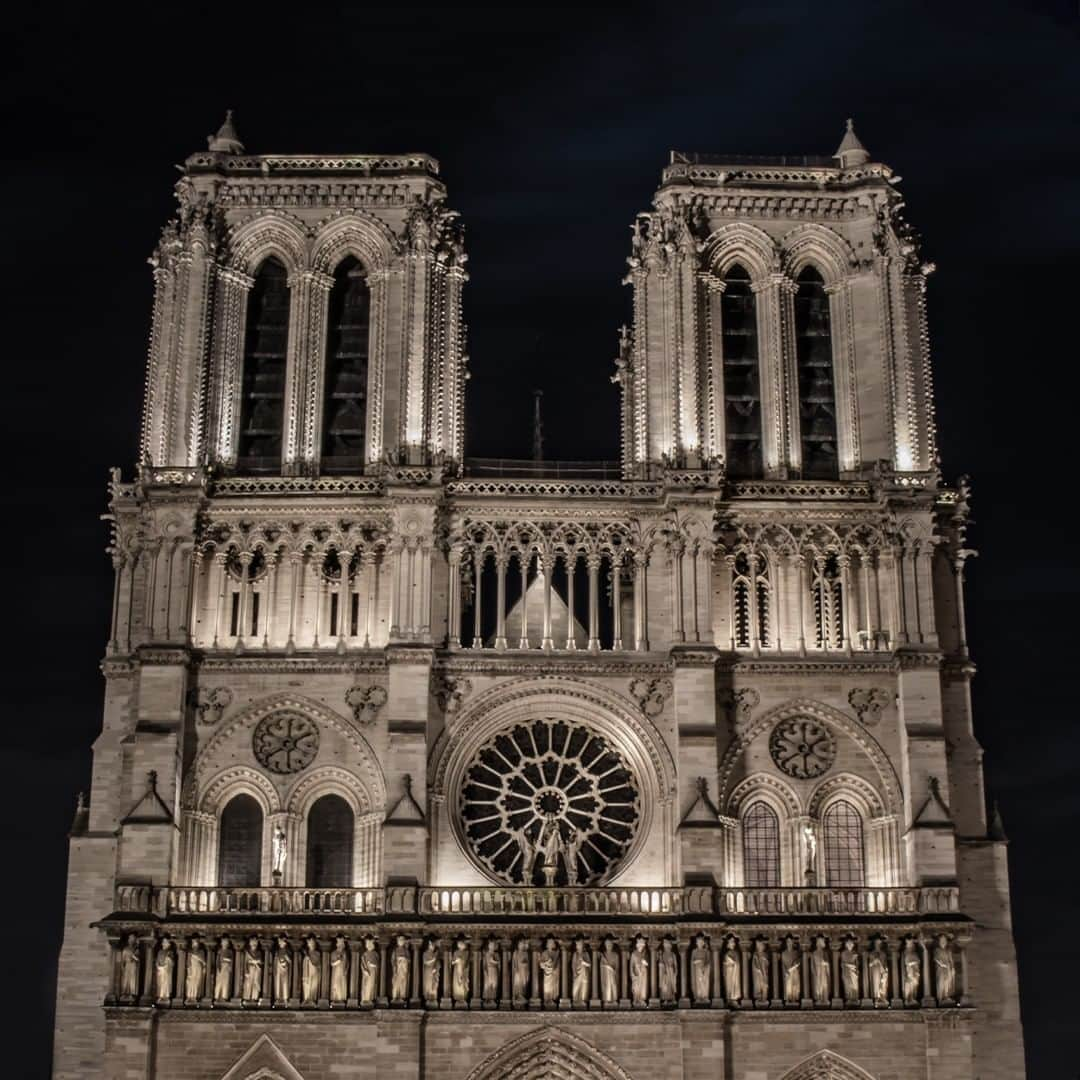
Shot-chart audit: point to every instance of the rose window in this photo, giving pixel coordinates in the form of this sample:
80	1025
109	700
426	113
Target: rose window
802	747
285	742
549	802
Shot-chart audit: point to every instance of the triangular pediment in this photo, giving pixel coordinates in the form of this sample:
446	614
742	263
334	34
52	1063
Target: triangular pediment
549	1054
263	1060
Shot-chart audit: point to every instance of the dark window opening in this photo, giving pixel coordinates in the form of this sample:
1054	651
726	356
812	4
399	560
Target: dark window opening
817	395
742	378
262	394
345	386
240	843
761	847
842	840
330	844
234	615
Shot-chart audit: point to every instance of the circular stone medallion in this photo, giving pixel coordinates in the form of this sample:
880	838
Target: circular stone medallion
802	747
549	798
285	742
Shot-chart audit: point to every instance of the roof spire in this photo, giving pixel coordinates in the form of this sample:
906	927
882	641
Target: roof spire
851	152
226	141
538	427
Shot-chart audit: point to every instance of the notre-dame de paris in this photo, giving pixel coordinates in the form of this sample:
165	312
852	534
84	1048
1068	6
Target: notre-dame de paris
417	765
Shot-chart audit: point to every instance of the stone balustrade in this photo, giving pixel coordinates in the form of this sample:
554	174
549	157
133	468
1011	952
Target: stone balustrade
494	900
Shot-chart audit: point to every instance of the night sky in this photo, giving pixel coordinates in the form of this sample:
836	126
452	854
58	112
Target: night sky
552	125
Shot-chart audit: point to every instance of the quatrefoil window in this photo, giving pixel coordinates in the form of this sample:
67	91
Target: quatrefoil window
802	747
285	742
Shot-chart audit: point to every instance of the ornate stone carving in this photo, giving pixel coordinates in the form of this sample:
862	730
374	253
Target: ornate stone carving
212	703
868	704
450	691
533	801
285	742
802	747
651	694
742	704
400	967
365	702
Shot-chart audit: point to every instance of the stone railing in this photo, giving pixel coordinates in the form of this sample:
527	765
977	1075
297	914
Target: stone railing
492	900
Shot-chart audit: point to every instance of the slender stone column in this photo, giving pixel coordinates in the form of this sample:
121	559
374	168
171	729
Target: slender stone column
675	552
654	982
744	957
545	564
625	945
344	627
616	600
267	970
844	563
804	950
221	558
454	615
296	564
564	974
837	988
371	576
961	617
641	601
500	601
324	981
211	971
894	968
595	948
524	558
777	1000
592	564
319	564
246	558
414	982
928	990
800	564
571	565
695	628
717	984
683	949
478	567
752	602
353	994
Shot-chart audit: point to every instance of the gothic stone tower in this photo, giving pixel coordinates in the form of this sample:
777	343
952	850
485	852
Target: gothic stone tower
410	770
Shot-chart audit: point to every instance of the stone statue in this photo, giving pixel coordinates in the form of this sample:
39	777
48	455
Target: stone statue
944	969
572	851
310	973
549	972
400	962
164	966
609	972
129	968
369	972
253	968
550	846
820	975
759	973
459	972
732	972
639	973
580	969
791	967
878	970
699	969
491	970
520	973
810	849
528	856
911	965
431	972
223	982
282	969
280	850
667	966
195	976
849	970
339	972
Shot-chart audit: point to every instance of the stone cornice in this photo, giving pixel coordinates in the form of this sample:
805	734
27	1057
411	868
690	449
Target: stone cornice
495	662
372	662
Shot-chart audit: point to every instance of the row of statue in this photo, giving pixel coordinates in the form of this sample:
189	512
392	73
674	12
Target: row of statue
571	972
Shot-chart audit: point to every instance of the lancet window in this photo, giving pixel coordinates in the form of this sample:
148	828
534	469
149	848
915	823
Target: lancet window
240	842
751	614
262	392
330	830
742	379
761	847
345	384
828	603
817	393
842	846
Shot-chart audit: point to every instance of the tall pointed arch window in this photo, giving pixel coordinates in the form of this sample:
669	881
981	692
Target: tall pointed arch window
742	377
751	615
827	597
842	845
761	847
240	836
330	844
345	385
262	390
817	392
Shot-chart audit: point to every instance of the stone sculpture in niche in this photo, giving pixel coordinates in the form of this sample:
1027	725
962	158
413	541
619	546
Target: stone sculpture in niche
820	975
792	974
911	970
459	972
195	976
164	966
491	971
877	967
549	971
521	970
431	972
609	973
369	972
311	976
129	968
666	971
699	965
849	970
339	972
732	972
759	973
580	969
223	982
944	969
401	963
282	969
253	968
639	973
280	850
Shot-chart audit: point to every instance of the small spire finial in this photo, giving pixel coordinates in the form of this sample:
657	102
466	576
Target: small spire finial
226	141
851	152
538	427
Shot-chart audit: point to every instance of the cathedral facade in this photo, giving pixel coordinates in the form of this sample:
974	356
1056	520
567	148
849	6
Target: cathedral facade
412	767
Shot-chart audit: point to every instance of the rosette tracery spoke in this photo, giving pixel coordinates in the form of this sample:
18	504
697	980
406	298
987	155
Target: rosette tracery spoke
549	799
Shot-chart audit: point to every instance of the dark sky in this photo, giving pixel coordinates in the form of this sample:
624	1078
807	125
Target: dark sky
552	125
